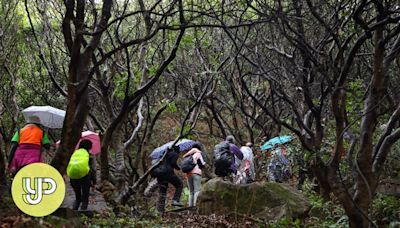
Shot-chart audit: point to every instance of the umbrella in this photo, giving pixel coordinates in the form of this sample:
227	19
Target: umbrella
93	137
49	116
183	144
276	141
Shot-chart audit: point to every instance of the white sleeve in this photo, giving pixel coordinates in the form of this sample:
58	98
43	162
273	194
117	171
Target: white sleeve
202	160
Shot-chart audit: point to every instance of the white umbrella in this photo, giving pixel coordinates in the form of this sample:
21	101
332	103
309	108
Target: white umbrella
49	116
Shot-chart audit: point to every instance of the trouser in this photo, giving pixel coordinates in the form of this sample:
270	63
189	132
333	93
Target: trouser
163	186
241	177
150	189
194	183
81	188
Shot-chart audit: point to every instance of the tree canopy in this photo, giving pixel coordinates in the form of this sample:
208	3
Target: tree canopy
146	72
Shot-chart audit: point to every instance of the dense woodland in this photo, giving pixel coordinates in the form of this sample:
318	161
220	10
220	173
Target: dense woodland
143	73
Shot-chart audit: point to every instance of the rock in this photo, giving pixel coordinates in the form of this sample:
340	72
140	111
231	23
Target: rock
263	200
390	187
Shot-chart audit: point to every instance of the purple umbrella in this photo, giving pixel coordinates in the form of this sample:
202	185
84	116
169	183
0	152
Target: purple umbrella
183	145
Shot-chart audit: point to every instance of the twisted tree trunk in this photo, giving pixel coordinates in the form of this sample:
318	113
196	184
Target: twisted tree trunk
78	75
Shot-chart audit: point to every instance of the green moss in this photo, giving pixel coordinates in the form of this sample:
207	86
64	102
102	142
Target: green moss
256	198
289	196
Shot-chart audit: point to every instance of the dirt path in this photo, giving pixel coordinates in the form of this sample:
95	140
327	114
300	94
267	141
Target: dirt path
96	200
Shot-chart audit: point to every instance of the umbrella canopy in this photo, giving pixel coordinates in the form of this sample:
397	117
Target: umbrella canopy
276	141
45	115
183	144
93	137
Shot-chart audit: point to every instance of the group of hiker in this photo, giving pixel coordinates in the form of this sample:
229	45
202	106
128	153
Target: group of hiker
27	145
229	161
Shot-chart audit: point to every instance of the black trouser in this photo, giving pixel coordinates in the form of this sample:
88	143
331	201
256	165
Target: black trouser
163	185
81	188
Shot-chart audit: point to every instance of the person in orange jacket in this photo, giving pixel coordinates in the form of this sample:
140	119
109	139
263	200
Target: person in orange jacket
26	145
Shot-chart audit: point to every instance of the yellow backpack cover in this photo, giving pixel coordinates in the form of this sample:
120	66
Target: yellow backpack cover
78	165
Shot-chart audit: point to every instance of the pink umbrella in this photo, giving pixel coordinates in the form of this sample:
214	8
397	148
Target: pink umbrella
93	137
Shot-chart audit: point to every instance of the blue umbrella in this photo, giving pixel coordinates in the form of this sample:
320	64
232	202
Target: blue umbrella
276	141
183	144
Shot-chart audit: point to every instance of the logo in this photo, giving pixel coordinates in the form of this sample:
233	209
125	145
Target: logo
38	189
34	195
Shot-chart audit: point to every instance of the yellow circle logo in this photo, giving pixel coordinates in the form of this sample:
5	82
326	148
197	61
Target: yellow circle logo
38	189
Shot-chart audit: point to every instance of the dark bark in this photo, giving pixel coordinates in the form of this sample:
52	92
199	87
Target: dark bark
216	116
142	157
363	194
131	101
78	77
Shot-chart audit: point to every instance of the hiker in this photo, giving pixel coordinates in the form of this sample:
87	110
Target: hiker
27	144
227	157
278	167
165	174
246	171
196	160
81	171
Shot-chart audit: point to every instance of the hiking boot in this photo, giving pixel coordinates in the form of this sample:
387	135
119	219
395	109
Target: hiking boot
177	203
84	206
76	205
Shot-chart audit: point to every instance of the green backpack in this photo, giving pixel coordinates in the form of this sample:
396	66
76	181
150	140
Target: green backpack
78	165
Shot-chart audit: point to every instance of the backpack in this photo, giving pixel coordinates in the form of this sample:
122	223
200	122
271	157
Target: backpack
223	159
162	169
78	165
187	164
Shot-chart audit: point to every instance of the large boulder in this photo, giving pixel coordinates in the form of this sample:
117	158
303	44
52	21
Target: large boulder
263	200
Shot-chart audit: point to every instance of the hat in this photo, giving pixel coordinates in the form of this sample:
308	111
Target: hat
230	139
34	119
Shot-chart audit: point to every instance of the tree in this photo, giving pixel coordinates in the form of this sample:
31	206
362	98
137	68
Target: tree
320	67
85	59
9	43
